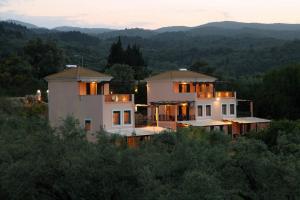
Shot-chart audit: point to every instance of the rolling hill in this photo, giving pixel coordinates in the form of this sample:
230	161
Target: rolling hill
232	51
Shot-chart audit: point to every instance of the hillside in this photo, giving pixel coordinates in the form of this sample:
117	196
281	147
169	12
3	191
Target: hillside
241	25
92	31
232	52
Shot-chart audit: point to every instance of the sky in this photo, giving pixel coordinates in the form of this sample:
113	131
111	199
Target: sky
149	14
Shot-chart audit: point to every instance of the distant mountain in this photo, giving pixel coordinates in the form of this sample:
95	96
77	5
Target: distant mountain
173	29
27	25
241	25
134	32
92	31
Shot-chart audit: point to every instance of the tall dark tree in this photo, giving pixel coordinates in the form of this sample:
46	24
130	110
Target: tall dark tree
116	54
131	56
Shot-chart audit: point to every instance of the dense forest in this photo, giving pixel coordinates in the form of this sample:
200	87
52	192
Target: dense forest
38	162
232	52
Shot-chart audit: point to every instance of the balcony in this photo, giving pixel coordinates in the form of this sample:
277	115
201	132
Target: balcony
225	94
122	98
179	117
205	95
219	94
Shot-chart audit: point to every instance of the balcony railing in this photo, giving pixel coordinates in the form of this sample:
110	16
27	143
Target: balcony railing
179	117
225	94
118	98
219	94
205	95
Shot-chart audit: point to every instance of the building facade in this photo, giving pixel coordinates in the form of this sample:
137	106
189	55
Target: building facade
85	95
185	98
175	99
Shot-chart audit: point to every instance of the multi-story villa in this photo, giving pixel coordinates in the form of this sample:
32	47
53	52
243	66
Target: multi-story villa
186	98
85	95
175	99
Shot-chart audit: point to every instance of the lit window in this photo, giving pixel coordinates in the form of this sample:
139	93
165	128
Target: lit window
200	110
127	117
184	88
232	109
224	109
116	118
87	124
93	88
208	110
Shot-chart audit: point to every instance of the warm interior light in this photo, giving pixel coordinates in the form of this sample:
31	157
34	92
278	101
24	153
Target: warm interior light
184	104
218	98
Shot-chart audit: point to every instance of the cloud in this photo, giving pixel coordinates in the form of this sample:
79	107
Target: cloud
49	21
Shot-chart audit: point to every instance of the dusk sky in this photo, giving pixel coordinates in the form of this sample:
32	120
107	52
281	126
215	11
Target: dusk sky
148	14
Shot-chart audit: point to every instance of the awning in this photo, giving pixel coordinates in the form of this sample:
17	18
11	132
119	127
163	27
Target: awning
205	122
248	120
143	131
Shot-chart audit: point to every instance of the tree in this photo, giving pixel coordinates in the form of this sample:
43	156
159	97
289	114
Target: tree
45	57
131	56
15	73
201	67
278	96
116	54
123	78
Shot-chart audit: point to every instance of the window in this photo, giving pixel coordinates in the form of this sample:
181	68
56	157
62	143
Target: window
224	109
232	109
99	88
200	111
116	118
184	88
88	89
127	117
87	124
208	110
93	88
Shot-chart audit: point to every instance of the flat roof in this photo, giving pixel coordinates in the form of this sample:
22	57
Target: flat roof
79	74
177	75
143	131
248	120
205	122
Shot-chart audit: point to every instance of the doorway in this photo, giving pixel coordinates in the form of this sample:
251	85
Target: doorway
183	112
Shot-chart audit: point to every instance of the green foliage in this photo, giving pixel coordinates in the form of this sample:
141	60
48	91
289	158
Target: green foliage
45	57
123	78
37	162
281	91
15	73
131	56
202	67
